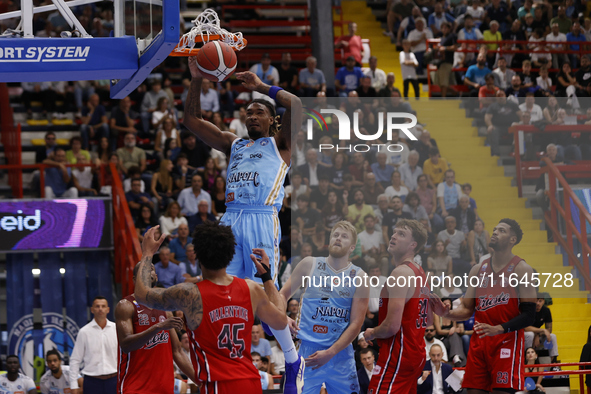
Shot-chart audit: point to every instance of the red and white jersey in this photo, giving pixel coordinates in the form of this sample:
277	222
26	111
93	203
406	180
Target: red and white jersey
407	347
496	302
220	346
135	374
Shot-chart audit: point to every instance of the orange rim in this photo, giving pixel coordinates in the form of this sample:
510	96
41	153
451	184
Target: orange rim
185	52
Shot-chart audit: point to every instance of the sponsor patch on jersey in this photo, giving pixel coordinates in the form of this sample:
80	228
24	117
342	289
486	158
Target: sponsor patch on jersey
505	353
376	370
352	273
251	143
161	318
510	268
257	155
264	142
335	281
320	329
230	197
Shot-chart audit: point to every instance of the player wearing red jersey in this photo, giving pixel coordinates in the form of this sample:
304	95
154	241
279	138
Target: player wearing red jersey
403	315
502	311
148	342
219	311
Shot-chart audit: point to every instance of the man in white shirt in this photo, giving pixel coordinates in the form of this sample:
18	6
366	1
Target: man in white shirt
57	378
96	348
210	101
372	241
410	171
374	270
417	39
377	75
430	340
364	373
14	381
432	381
503	74
238	125
530	106
557	36
448	193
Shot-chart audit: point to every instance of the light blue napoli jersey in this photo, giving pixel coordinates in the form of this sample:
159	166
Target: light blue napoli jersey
325	314
255	173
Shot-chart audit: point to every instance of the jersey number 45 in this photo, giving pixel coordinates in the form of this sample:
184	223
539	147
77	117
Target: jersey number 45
229	339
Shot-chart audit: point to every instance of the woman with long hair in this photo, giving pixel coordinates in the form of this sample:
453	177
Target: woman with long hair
396	188
412	205
333	211
103	154
167	130
218	195
439	262
209	173
145	221
531	358
171	149
171	220
449	332
162	184
551	110
478	239
162	112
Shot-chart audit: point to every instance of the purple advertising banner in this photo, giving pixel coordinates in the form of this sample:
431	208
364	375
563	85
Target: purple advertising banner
27	225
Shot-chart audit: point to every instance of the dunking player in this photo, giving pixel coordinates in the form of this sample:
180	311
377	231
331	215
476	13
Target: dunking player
495	359
148	342
255	175
403	315
330	316
219	311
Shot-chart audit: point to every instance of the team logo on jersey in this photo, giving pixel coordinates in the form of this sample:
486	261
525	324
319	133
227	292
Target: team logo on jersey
257	155
246	176
331	311
335	281
161	337
490	301
264	142
510	268
251	143
320	329
230	197
162	318
352	273
22	342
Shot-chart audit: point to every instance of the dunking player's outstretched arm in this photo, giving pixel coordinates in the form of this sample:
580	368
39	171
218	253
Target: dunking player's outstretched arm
397	297
527	306
292	104
193	120
184	296
466	308
358	312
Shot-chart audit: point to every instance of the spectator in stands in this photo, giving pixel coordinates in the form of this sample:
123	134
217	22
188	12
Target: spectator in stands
455	242
58	177
377	75
265	71
171	220
502	74
358	210
544	81
218	195
465	216
76	153
203	214
551	110
499	12
259	344
407	25
438	262
210	101
351	44
190	266
167	131
305	217
396	104
365	373
389	88
134	172
410	171
48	150
311	170
179	244
348	77
96	349
567	83
365	89
564	23
162	184
431	339
557	36
190	197
371	188
297	188
381	210
435	167
318	196
299	149
82	91
575	35
238	125
469	32
526	8
334	210
145	221
209	173
528	79
122	121
82	178
169	273
288	74
428	198
37	91
195	150
475	75
423	145
418	44
531	358
437	17
381	170
583	76
130	155
587	28
487	93
94	121
162	113
447	47
413	206
448	193
391	218
372	241
493	35
311	79
530	106
136	198
515	33
536	336
396	187
150	103
409	64
478	239
539	58
498	118
435	374
467	190
516	90
476	11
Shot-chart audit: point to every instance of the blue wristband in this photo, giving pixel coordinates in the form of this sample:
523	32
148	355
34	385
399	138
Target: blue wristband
273	90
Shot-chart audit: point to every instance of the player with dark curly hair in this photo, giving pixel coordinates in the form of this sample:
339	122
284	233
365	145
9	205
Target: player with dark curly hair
218	311
254	185
504	298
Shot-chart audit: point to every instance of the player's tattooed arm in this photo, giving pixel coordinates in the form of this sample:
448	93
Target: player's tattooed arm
193	101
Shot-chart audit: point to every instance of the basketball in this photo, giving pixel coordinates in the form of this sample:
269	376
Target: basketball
216	61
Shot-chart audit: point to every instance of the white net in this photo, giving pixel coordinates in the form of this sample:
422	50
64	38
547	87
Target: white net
207	27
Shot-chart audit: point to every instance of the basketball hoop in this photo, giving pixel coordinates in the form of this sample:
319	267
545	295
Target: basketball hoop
207	28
